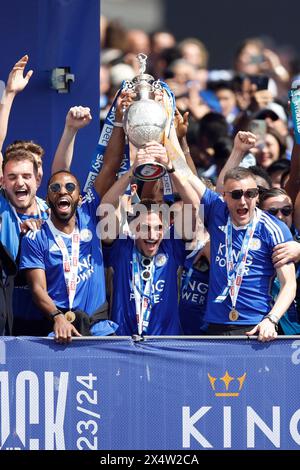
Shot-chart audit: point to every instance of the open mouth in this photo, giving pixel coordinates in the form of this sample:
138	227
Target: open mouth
151	244
63	204
21	194
242	212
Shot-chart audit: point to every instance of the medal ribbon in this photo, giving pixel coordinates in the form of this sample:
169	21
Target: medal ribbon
70	263
143	303
235	273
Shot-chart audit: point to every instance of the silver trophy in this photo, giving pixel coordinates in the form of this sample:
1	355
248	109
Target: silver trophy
145	119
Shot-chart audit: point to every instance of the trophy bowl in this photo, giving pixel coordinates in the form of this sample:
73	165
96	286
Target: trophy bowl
145	120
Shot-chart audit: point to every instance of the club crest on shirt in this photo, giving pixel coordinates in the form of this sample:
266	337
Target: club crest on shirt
160	260
86	235
255	244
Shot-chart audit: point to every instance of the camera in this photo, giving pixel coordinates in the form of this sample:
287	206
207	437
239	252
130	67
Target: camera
261	81
256	59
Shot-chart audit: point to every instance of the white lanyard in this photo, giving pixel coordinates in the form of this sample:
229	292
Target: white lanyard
19	220
142	297
235	273
70	263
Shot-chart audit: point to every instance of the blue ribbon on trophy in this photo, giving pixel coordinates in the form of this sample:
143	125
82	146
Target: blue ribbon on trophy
105	134
170	106
146	119
161	119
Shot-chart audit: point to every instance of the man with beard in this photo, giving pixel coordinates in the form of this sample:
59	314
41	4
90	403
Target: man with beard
64	264
145	263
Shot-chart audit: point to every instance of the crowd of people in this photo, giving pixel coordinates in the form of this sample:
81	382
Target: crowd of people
219	255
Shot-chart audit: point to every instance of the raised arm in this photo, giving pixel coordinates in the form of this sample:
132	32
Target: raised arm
243	142
158	152
77	118
16	82
175	156
181	124
115	149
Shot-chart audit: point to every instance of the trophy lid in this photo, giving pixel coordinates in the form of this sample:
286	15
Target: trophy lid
144	77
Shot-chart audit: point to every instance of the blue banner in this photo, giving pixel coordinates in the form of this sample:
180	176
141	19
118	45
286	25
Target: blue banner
174	394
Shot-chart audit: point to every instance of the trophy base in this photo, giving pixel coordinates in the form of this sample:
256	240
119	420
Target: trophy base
149	171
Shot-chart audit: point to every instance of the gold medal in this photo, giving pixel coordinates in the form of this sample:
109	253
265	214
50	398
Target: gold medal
70	316
233	315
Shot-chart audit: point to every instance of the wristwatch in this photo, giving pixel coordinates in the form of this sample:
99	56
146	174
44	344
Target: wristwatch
171	170
273	319
55	313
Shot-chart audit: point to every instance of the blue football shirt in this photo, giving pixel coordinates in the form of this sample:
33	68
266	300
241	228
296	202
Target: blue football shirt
254	299
193	298
39	250
164	317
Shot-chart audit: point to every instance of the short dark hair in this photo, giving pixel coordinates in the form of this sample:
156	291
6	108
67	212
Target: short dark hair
67	173
273	192
19	155
238	173
279	165
259	171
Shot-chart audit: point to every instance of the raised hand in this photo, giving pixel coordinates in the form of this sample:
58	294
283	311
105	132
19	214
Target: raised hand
124	101
181	123
157	152
16	81
244	141
78	117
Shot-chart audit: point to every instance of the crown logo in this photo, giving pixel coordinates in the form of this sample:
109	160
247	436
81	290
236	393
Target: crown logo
227	379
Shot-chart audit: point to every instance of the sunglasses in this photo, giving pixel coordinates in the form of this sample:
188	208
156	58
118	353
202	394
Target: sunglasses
286	210
56	187
238	193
